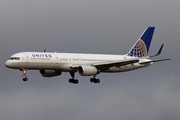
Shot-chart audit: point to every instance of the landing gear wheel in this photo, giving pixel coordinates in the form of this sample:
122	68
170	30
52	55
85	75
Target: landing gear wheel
95	80
74	81
92	80
70	80
25	79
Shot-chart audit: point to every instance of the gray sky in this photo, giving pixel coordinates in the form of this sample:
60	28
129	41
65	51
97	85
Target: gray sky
90	26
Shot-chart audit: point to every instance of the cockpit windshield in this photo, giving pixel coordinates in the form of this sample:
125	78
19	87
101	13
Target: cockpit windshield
14	58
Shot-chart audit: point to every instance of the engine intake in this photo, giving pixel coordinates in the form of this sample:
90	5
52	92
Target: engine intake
87	70
49	73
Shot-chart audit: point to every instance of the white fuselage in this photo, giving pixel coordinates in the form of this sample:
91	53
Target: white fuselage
66	61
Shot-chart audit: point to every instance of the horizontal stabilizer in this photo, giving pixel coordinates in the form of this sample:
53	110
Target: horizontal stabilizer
155	61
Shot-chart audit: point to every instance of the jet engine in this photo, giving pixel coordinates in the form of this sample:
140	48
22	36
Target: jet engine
87	70
49	73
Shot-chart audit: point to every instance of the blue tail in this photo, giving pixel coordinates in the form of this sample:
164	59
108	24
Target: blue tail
141	47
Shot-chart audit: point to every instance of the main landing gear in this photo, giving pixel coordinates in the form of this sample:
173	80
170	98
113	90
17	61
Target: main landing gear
95	80
76	81
72	80
24	74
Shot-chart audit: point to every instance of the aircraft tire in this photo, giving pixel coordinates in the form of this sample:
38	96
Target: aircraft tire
97	80
92	80
25	79
70	80
76	81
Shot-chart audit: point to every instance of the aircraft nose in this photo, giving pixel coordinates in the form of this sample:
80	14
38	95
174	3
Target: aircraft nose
7	63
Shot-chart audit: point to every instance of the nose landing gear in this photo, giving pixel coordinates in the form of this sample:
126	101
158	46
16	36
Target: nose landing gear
24	74
25	79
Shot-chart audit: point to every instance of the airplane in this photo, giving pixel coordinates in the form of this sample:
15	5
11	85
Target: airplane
51	64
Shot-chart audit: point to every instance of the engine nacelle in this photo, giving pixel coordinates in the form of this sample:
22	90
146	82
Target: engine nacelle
49	73
87	70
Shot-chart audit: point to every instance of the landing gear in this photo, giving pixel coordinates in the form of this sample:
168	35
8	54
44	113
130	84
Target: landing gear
72	80
95	80
25	79
24	74
76	81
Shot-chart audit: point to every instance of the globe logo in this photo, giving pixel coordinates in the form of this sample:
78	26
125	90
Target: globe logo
139	50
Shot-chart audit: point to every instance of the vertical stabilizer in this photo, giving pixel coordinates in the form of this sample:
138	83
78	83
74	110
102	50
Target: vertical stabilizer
141	47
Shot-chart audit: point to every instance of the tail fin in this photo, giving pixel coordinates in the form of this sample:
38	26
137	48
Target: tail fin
141	47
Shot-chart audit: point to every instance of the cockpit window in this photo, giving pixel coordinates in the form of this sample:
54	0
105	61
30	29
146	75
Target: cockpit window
14	58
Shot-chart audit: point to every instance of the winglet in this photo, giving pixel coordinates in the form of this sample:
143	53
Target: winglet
159	52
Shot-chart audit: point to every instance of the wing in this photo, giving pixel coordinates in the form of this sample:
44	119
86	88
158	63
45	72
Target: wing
115	63
108	64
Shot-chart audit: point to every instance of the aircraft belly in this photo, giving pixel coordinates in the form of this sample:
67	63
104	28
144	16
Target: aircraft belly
47	66
29	65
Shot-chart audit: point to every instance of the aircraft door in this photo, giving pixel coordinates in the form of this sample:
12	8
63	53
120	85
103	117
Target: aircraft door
27	58
56	59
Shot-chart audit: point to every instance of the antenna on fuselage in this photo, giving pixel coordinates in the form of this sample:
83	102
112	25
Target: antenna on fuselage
44	50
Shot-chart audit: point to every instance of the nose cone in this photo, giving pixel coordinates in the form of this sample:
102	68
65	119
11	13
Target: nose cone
8	64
